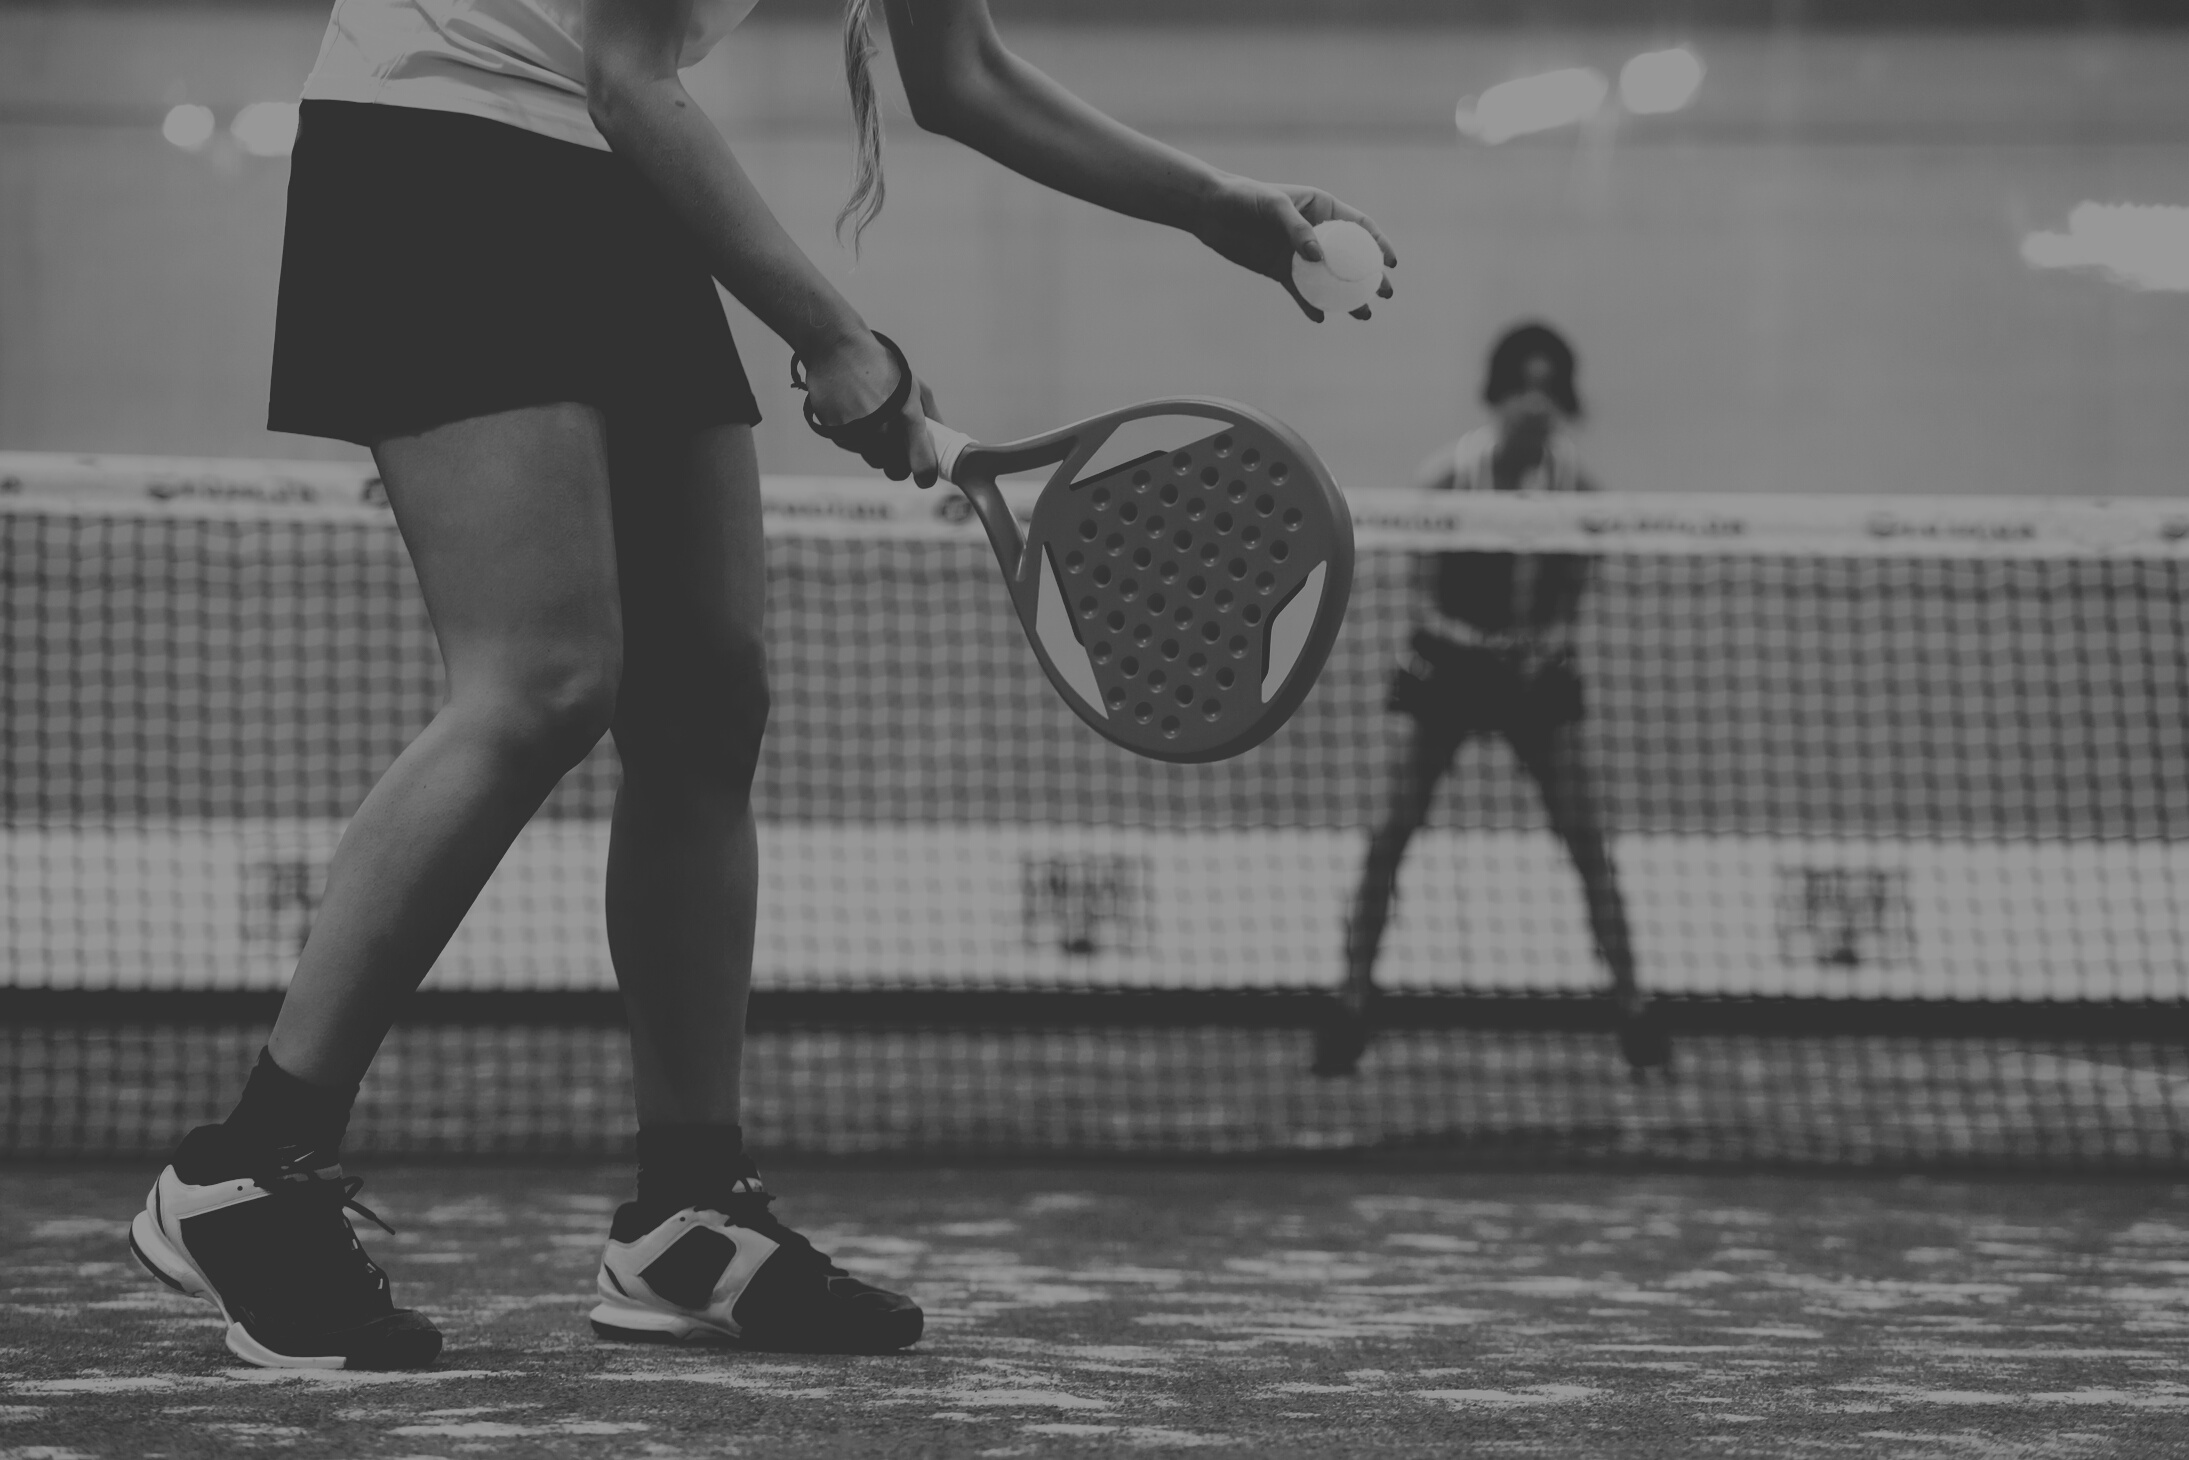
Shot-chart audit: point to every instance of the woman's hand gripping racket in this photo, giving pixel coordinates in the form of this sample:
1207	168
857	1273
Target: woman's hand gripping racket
1184	572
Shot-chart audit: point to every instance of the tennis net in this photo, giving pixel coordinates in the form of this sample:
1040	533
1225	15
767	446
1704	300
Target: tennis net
1897	793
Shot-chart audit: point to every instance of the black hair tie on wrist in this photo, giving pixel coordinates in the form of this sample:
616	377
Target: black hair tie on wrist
878	435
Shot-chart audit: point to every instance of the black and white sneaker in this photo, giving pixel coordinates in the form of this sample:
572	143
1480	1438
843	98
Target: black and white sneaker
273	1250
738	1276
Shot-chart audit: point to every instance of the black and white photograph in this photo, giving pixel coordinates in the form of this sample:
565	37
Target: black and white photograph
912	729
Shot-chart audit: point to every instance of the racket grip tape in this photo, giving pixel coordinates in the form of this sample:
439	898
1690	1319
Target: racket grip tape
949	446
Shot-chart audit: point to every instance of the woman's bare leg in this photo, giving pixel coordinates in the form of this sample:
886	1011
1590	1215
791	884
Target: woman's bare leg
1413	781
1558	762
1428	754
683	861
1559	765
683	878
507	522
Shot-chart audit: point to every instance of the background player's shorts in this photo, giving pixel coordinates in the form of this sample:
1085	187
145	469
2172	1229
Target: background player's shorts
1463	689
437	266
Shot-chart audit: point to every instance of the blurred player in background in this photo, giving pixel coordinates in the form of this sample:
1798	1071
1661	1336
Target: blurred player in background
506	222
1492	653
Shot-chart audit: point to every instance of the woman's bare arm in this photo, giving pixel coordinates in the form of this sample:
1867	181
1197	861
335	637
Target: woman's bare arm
965	84
640	105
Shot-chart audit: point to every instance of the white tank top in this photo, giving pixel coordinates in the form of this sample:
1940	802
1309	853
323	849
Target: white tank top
1558	471
1470	462
515	61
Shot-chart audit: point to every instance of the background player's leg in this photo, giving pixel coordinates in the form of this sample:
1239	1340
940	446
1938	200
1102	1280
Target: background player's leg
683	862
1559	765
507	522
1558	761
1413	781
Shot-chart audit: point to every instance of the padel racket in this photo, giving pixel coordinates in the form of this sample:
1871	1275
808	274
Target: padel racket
1184	572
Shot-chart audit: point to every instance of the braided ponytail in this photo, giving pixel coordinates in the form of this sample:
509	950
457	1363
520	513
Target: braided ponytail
867	191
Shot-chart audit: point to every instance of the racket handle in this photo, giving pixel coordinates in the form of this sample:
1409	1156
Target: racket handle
949	446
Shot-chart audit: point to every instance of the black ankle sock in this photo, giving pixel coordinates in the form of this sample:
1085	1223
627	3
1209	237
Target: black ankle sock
684	1164
301	1122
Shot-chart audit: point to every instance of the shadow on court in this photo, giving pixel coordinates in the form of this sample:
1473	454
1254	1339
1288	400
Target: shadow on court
1260	1310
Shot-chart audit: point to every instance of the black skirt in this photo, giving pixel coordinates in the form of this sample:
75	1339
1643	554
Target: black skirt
438	266
1458	690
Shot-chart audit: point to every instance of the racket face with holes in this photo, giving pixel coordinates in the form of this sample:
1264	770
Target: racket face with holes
1183	575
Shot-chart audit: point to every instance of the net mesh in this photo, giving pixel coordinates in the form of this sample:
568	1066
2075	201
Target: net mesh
1896	795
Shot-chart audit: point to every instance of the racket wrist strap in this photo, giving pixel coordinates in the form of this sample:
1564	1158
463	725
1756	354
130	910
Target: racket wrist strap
871	432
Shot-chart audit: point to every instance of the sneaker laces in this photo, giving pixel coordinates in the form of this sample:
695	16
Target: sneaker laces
747	1207
321	1200
316	1186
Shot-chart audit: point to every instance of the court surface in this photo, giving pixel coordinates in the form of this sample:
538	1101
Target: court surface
1257	1310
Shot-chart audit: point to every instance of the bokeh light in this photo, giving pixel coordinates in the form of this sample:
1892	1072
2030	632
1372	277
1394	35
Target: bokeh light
188	126
266	128
1533	104
1656	82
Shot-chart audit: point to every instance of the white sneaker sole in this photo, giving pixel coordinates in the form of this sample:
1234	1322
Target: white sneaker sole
637	1324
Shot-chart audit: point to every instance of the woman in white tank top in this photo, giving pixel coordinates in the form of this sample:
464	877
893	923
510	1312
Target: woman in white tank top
506	219
515	61
1492	653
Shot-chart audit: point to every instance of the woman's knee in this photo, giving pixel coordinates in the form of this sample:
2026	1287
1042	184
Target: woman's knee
1387	843
741	680
1585	844
549	706
701	714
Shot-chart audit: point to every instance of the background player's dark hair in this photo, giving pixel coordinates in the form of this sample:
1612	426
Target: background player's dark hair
1510	356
